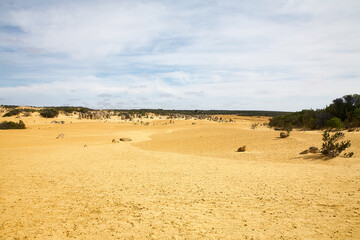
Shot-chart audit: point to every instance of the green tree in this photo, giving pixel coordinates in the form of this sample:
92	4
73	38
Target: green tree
335	123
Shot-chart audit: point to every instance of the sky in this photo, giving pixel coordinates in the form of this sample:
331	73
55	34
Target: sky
186	54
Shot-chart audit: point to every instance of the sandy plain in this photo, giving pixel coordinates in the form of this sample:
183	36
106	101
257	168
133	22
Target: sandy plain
173	181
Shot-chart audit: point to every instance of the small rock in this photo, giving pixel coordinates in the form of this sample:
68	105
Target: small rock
114	141
85	145
242	149
61	135
284	134
313	149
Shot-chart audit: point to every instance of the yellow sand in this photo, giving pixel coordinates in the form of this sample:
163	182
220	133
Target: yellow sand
173	181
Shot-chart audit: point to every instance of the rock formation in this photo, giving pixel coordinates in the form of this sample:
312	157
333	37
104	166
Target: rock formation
284	134
242	149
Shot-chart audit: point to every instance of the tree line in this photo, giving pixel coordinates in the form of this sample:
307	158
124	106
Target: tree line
341	113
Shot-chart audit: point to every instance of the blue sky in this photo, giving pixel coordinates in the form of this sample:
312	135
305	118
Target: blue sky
261	55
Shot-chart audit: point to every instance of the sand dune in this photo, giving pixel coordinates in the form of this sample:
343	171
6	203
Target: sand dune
174	181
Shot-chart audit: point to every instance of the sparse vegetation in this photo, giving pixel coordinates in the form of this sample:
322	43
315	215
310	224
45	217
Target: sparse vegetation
12	112
254	125
26	114
200	112
17	111
12	125
9	106
49	113
331	148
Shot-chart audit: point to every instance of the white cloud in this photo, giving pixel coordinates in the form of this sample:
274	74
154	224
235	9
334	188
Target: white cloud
269	54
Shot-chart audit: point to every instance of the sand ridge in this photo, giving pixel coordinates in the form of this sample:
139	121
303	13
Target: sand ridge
174	181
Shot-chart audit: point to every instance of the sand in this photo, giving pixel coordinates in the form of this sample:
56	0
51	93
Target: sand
173	181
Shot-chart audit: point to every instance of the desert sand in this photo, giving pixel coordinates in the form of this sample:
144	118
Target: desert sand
173	181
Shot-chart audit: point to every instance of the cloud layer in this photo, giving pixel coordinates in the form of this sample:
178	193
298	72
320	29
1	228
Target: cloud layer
270	55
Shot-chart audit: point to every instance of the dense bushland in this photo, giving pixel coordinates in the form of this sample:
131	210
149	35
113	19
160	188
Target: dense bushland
69	109
342	113
12	125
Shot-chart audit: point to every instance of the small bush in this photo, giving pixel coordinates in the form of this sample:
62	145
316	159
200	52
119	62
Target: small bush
12	125
349	155
331	147
49	113
335	123
12	112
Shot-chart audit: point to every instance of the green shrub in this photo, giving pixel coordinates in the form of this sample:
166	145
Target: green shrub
12	125
12	112
49	113
335	123
331	147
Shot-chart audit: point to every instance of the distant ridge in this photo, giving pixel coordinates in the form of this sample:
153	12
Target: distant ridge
165	111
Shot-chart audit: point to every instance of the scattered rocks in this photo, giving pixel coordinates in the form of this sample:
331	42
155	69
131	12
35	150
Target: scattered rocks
61	135
125	139
242	149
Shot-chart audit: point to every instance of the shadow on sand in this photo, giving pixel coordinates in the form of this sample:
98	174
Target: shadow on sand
313	157
278	138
